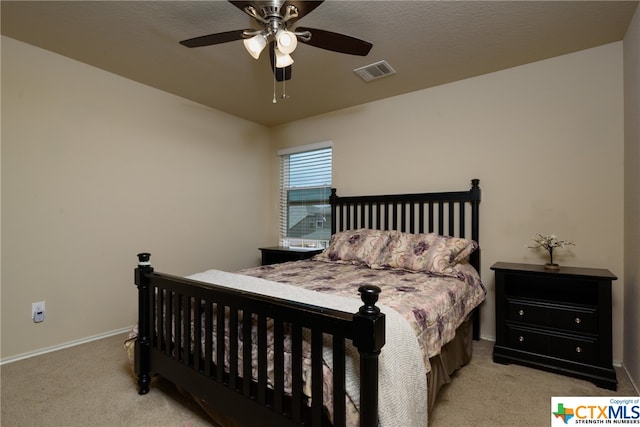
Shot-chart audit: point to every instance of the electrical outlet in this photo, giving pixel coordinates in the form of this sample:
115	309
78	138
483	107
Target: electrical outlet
37	311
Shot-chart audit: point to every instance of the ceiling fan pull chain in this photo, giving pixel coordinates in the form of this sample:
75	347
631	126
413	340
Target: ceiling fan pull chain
274	83
274	90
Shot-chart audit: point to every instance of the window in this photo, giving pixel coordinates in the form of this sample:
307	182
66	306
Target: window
305	187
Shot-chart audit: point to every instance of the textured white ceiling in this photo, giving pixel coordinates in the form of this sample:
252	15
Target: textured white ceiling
427	42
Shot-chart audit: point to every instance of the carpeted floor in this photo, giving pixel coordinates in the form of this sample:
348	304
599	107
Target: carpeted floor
91	384
484	393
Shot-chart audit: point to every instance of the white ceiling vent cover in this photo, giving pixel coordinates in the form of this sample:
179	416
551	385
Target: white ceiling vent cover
375	71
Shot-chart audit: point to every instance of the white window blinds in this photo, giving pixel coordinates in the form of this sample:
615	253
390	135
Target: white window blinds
305	187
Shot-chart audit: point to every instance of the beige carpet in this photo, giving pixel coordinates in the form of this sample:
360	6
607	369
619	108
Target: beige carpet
91	384
484	393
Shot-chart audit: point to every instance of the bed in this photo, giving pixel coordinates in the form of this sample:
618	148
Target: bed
317	355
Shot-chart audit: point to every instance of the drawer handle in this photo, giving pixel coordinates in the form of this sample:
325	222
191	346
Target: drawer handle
578	320
521	338
521	312
578	350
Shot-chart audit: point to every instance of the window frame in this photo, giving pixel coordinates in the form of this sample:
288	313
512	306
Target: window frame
322	190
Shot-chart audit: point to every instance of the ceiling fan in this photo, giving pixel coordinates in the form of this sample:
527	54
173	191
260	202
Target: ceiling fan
276	19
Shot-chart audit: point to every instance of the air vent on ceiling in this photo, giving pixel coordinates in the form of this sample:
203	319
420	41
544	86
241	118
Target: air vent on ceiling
375	71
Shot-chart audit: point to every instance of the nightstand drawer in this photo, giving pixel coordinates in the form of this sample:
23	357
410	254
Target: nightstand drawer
575	319
554	345
527	340
578	350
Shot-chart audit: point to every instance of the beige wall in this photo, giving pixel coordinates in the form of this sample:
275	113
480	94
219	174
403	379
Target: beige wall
82	150
632	199
545	139
96	168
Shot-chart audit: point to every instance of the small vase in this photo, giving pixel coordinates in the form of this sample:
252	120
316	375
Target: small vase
551	266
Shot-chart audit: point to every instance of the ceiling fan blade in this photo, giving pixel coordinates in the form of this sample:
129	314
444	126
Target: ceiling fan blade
242	4
211	39
336	42
281	74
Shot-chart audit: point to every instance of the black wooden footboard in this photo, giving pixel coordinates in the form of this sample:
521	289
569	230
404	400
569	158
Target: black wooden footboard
173	312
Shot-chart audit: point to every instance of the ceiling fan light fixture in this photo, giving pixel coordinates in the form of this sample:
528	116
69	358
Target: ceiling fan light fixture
287	41
255	45
273	18
283	60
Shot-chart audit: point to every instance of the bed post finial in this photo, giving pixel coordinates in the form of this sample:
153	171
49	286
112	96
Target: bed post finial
143	259
333	201
143	343
333	192
369	296
369	326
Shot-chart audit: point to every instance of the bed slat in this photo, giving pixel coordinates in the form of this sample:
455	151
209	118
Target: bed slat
177	327
262	359
278	365
161	341
451	206
208	338
339	405
197	335
220	347
246	353
233	348
186	329
463	222
316	377
296	373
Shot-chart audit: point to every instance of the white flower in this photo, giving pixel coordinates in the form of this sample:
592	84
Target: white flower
550	243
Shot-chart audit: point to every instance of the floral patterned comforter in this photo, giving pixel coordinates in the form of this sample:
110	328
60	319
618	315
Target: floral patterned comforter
434	305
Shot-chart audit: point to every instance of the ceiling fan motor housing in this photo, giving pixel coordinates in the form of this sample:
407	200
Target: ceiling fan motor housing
272	16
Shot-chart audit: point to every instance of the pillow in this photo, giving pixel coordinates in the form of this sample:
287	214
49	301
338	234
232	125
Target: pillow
430	252
361	246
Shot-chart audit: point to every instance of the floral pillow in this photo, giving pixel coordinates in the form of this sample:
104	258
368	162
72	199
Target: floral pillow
361	246
430	252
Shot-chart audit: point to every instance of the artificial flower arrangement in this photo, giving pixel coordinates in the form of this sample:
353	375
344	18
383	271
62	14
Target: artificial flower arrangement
550	243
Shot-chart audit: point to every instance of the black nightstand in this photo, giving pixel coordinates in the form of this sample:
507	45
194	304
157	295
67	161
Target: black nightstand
559	321
278	254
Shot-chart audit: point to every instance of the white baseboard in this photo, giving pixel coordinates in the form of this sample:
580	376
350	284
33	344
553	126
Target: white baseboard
64	345
633	384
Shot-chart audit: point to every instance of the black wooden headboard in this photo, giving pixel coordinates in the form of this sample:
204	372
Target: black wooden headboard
452	213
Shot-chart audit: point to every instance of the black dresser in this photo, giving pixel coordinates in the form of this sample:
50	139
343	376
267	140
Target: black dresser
559	321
